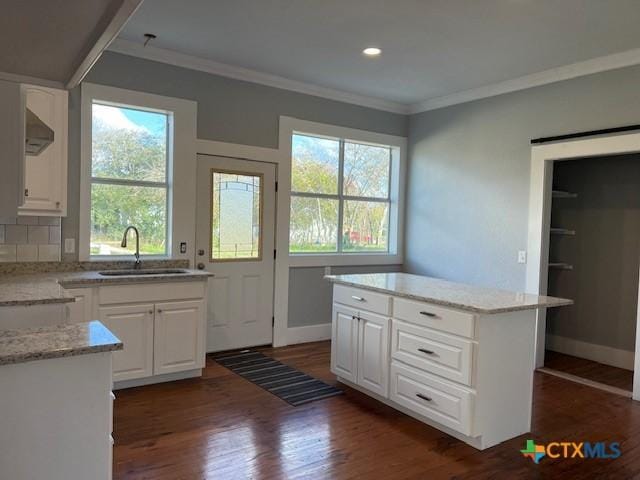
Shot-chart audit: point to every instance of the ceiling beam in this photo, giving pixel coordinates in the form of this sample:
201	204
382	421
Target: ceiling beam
112	30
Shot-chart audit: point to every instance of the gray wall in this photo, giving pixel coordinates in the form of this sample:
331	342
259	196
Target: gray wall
312	309
604	251
468	183
228	110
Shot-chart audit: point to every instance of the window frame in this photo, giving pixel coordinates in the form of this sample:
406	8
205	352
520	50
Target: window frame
125	182
181	148
342	198
398	144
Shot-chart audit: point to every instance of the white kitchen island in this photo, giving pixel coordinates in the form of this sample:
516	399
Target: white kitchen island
457	357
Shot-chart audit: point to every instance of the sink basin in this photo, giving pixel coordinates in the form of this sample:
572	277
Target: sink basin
158	271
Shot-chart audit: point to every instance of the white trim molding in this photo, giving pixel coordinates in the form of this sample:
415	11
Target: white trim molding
171	57
615	357
566	72
541	178
182	177
307	334
112	30
579	69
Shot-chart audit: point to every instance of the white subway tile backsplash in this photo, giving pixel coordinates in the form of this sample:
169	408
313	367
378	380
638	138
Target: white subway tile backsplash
15	234
27	220
54	235
48	220
7	253
27	253
48	253
30	239
37	235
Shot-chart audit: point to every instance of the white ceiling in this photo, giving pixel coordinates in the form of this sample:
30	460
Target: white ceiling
431	48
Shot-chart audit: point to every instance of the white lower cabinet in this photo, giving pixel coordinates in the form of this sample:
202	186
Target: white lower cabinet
470	375
373	352
133	325
178	337
162	327
360	348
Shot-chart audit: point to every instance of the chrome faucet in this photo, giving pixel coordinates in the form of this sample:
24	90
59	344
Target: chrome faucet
124	244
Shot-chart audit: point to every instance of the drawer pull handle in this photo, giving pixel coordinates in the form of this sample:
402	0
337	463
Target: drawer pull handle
355	297
428	352
429	314
424	397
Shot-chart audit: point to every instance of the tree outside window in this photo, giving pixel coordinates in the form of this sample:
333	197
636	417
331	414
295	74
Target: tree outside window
340	196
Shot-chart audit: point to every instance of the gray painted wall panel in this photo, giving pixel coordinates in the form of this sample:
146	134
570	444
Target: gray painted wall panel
468	180
310	295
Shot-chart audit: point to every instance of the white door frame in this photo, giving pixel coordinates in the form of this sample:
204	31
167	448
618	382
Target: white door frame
541	178
281	276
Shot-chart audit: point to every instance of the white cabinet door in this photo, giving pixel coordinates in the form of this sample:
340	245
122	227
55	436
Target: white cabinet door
82	309
373	353
45	175
12	151
133	325
344	342
179	336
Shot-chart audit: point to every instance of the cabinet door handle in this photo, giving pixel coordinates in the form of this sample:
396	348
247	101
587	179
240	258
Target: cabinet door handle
424	397
159	310
150	312
359	299
428	352
429	314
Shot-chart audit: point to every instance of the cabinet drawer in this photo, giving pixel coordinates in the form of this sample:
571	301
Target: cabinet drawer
439	353
433	316
362	299
433	398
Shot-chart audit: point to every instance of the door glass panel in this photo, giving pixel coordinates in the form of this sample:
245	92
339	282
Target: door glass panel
236	216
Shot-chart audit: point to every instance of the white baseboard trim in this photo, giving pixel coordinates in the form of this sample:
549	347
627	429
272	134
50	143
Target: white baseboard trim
614	357
311	333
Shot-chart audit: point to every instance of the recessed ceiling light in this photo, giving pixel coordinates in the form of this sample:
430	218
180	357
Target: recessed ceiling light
372	51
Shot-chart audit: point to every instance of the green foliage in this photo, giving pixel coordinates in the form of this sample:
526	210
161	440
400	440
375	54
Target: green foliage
126	154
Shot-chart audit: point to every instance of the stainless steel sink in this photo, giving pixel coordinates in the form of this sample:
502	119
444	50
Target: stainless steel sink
150	271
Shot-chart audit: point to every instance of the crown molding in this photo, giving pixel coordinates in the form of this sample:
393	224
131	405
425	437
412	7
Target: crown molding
566	72
178	59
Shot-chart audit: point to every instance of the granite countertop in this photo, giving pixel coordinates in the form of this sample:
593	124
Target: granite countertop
449	294
28	345
49	287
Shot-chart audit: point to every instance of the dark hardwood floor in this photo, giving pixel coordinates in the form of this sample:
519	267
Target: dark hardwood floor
223	427
581	367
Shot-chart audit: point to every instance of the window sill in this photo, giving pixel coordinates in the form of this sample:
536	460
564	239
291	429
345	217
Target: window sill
344	259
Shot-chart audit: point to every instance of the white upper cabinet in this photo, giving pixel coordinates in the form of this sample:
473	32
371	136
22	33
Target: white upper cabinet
45	175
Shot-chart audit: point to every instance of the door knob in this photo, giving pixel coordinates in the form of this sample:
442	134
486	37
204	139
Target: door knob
200	266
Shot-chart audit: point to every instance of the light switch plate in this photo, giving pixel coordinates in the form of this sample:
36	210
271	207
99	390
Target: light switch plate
522	256
69	245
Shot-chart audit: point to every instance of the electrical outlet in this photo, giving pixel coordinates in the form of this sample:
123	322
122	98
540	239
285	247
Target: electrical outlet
69	245
522	256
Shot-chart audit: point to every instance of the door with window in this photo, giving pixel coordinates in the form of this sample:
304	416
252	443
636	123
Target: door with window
235	241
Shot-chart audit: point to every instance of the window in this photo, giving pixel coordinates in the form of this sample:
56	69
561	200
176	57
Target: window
129	178
236	200
340	196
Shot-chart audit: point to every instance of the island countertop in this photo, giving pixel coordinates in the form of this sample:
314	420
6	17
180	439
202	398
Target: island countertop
448	294
28	345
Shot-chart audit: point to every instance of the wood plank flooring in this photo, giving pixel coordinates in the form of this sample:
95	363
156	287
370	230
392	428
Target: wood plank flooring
581	367
223	427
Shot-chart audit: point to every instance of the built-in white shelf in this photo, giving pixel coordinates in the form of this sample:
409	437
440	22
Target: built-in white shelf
560	266
561	231
563	194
